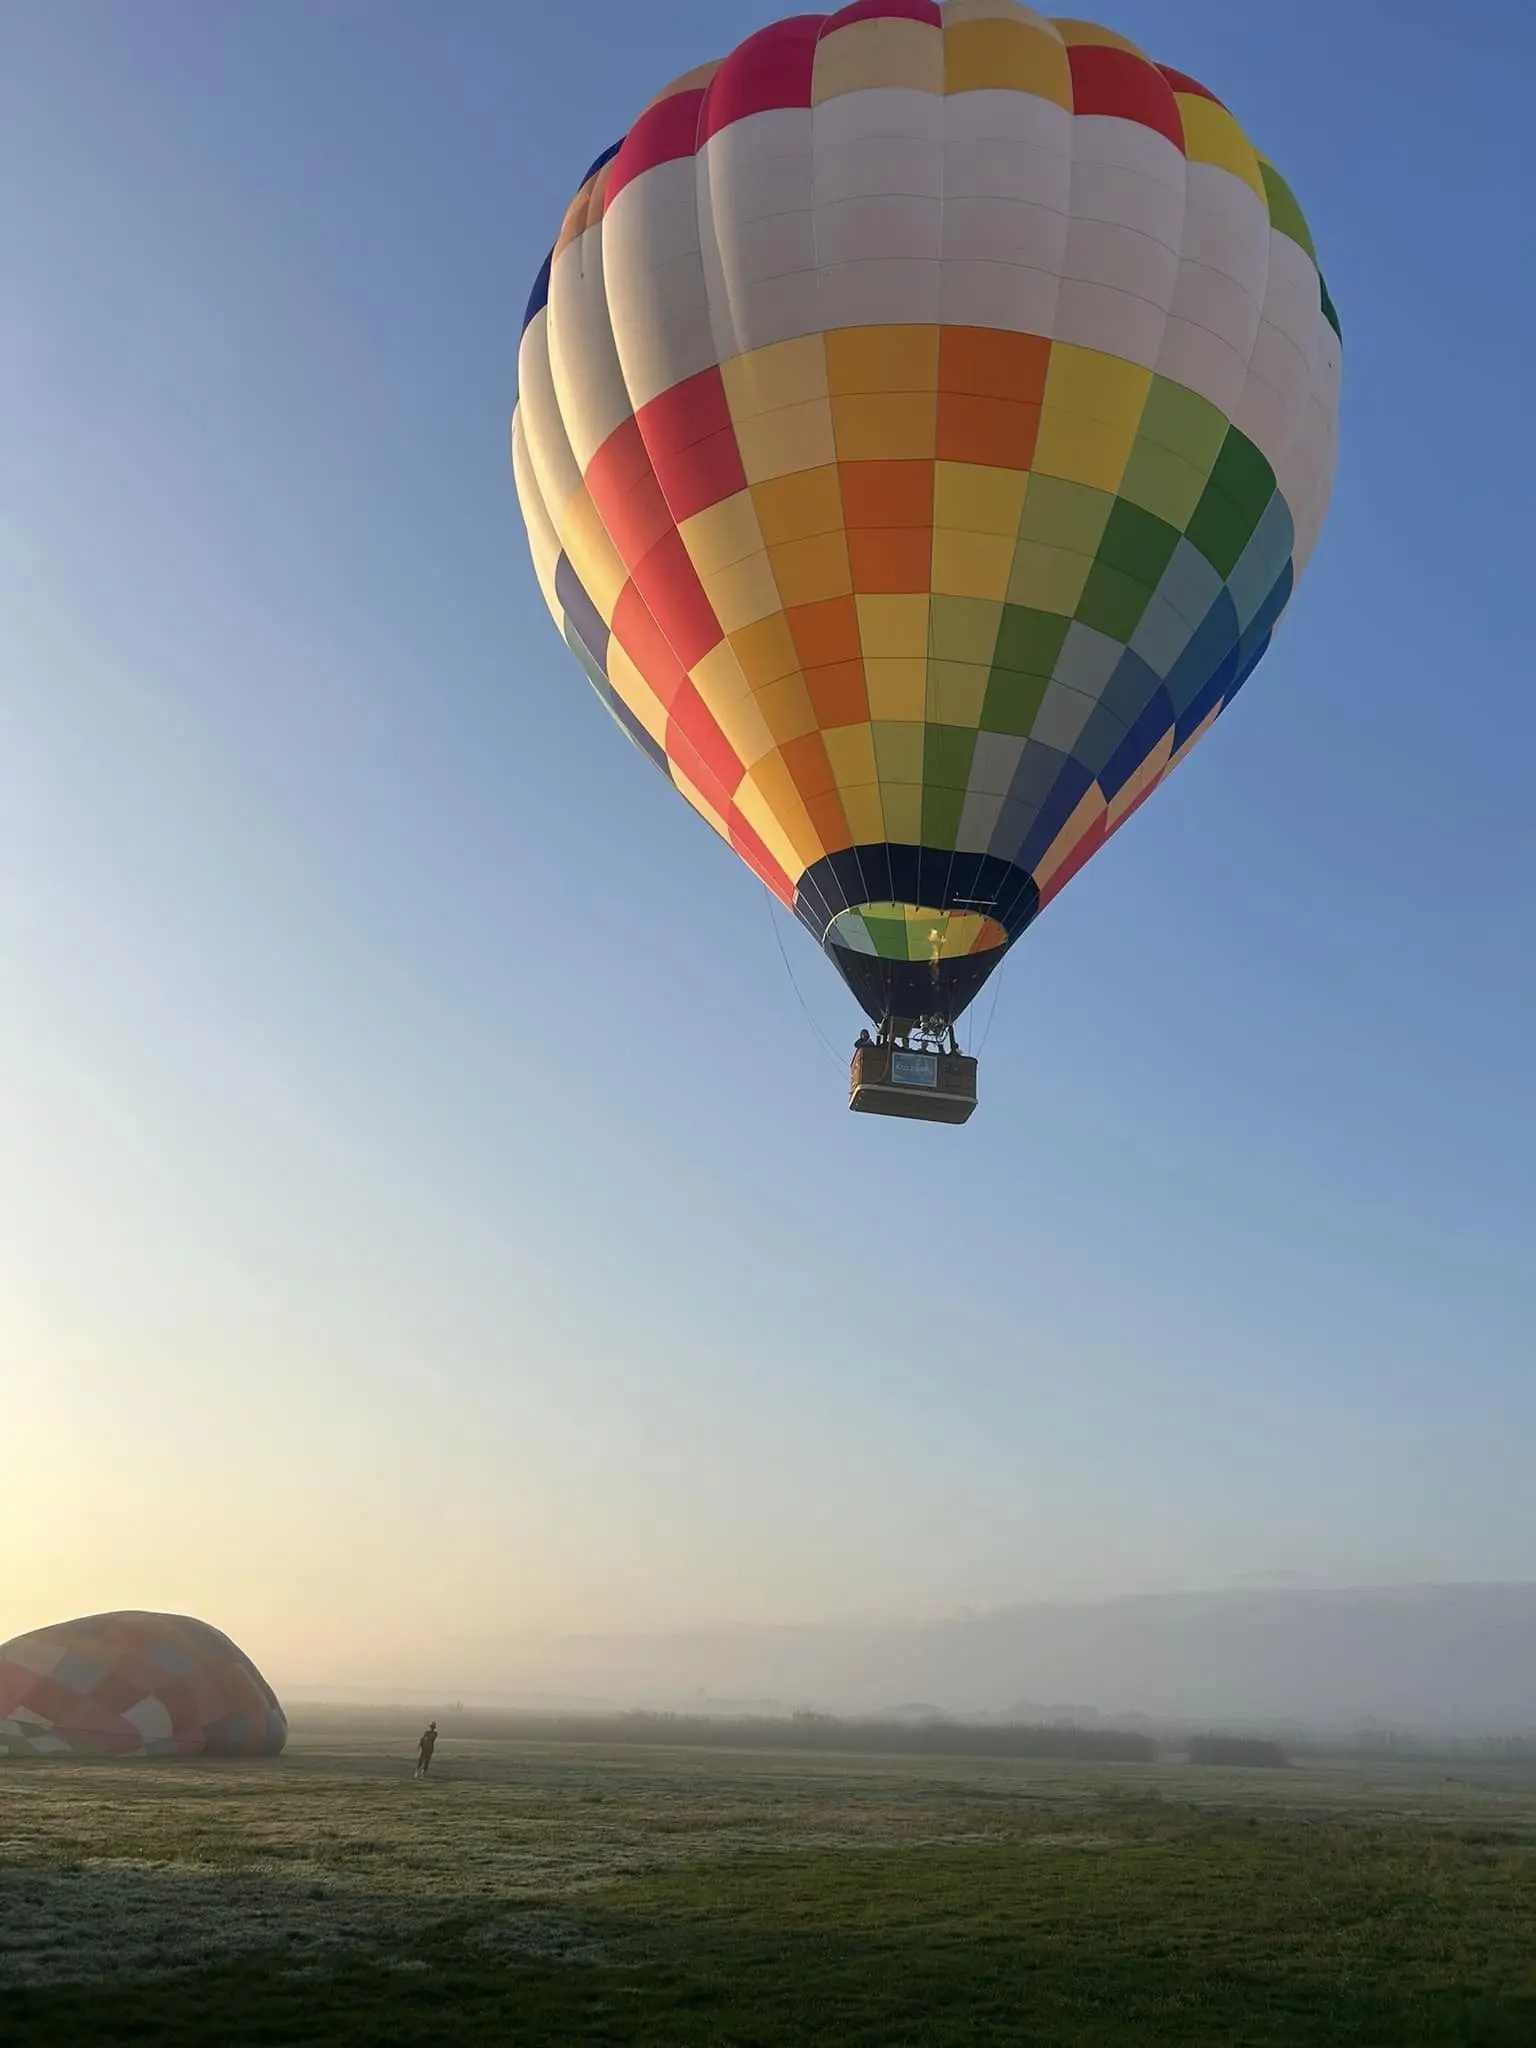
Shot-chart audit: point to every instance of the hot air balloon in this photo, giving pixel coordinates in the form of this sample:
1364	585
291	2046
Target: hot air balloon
923	418
134	1684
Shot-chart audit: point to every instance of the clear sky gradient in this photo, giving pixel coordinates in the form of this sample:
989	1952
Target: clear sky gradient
370	1277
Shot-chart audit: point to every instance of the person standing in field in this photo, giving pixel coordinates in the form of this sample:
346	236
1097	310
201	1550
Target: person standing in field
424	1750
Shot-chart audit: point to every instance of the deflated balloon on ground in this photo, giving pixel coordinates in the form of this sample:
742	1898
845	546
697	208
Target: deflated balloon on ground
134	1684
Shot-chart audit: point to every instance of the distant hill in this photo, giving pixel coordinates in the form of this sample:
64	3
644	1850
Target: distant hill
1422	1657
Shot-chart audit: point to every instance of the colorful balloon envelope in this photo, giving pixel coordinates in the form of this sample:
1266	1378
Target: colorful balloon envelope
134	1684
923	418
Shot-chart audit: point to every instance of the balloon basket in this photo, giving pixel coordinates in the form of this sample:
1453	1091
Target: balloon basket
929	1087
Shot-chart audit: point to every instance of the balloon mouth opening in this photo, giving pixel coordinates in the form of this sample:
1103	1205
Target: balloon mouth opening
912	933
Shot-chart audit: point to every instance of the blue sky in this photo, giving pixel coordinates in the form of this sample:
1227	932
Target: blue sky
365	1271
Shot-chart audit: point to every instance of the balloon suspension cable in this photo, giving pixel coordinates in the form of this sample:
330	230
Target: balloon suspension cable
997	995
826	1044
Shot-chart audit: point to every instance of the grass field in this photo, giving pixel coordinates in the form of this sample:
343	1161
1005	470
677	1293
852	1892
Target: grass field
564	1894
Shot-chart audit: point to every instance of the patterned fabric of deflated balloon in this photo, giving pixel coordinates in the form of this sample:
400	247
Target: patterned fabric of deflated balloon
134	1684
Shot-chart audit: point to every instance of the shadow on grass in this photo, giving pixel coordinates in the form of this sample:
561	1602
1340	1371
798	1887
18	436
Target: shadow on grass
887	1955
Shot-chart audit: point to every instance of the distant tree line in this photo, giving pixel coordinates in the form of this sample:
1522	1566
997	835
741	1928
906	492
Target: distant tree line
1249	1751
1413	1747
938	1737
829	1732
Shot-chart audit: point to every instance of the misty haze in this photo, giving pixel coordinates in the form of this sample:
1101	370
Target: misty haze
767	1099
1430	1658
